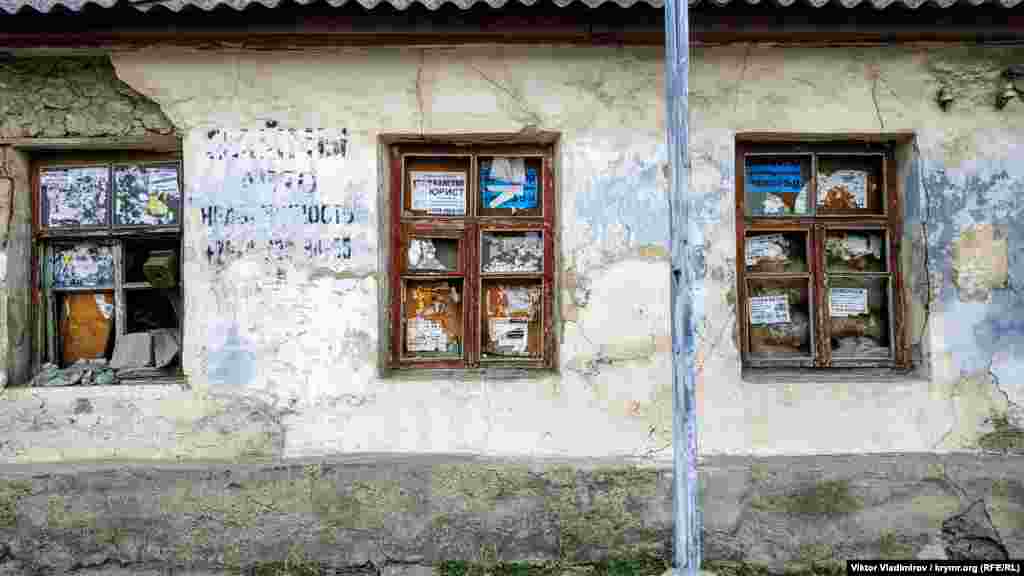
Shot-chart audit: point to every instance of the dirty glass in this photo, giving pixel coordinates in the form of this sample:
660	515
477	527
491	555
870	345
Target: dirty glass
433	315
858	311
855	251
82	265
510	186
850	184
777	184
776	252
512	252
432	254
74	197
511	326
779	312
146	195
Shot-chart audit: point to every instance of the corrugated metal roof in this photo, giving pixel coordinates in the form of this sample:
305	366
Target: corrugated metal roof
12	6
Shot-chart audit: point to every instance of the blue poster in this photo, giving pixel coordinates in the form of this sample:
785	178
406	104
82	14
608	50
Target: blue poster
774	178
504	194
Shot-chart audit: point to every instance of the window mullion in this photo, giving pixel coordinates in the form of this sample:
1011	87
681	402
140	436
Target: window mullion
822	332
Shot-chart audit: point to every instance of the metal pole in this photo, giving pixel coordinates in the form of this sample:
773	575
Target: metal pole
687	521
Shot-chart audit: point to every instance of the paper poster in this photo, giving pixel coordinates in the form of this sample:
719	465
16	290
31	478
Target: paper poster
861	245
441	193
772	180
75	196
83	265
423	335
503	184
772	309
847	301
853	181
771	246
518	299
510	334
146	195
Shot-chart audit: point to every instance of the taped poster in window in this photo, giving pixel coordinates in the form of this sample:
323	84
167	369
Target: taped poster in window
83	265
771	309
508	183
780	185
847	301
423	335
844	189
439	193
510	335
766	247
75	196
146	195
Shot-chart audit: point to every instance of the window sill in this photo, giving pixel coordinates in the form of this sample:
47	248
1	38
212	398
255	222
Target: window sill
468	374
760	375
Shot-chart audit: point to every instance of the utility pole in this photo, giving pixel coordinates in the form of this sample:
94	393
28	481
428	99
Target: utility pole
687	521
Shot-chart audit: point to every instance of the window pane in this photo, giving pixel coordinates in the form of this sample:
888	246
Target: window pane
512	252
146	195
149	310
82	265
86	324
432	255
776	252
778	185
859	316
850	184
436	186
510	186
74	197
780	317
433	318
511	324
137	252
855	251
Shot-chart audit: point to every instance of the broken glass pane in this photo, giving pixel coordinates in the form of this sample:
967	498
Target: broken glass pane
778	185
74	196
82	265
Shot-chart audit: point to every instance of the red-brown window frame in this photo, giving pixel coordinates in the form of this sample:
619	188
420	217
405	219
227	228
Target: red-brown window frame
816	227
469	229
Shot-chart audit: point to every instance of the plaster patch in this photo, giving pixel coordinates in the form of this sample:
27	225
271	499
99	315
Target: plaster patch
980	262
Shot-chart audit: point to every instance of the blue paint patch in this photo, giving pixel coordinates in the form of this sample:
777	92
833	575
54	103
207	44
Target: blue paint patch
633	200
234	364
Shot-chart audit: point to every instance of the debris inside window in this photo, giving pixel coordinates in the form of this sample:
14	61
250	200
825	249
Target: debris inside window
861	251
149	310
777	252
74	197
858	313
512	252
146	195
779	312
433	322
512	323
138	252
82	265
778	185
86	324
433	254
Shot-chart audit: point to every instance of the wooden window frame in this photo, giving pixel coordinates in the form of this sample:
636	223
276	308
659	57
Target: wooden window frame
816	226
47	238
469	229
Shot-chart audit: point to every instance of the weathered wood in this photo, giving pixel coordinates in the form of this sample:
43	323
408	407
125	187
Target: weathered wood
687	521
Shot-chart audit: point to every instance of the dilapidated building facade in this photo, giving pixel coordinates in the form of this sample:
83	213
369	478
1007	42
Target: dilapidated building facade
386	288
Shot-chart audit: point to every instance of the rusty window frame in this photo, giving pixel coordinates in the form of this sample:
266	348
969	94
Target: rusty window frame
47	238
815	226
469	229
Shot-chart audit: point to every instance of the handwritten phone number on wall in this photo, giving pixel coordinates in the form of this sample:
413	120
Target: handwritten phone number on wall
278	249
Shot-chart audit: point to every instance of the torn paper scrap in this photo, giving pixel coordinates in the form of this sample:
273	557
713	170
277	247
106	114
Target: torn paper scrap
772	309
508	169
510	334
843	189
769	246
423	335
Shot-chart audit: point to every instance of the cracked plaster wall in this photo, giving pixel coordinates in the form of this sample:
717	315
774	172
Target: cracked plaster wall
614	377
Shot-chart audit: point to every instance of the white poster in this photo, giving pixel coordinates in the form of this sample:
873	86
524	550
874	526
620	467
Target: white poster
856	181
423	335
771	246
772	309
441	193
510	334
518	299
847	301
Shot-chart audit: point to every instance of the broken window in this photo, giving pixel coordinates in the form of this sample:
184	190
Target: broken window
471	275
108	268
817	251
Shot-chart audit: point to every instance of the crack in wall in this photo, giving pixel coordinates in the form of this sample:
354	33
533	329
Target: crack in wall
517	98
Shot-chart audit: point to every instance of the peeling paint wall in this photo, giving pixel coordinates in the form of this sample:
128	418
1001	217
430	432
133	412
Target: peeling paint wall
284	355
